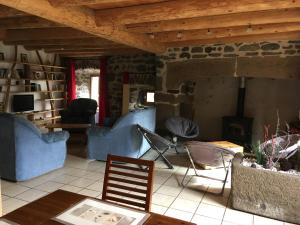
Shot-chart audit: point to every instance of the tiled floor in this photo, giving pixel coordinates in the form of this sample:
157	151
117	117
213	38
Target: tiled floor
192	203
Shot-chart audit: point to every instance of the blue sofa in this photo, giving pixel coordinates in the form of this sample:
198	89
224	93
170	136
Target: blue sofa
123	138
25	152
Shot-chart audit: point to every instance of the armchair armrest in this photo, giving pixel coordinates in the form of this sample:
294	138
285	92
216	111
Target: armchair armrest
98	131
56	136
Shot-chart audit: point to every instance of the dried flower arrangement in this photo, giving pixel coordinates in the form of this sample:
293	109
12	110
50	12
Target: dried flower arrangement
277	150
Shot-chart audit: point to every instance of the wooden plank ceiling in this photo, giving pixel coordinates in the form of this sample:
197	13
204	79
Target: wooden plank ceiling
106	27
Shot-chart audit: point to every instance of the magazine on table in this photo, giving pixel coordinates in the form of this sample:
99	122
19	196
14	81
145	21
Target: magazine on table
93	212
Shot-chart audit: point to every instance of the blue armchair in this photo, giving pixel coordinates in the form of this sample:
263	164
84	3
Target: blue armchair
123	138
25	152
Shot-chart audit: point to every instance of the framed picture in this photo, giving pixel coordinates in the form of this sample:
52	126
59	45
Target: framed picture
93	212
1	56
24	58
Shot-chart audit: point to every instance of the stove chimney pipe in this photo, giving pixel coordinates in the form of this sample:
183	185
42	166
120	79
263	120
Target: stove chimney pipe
241	98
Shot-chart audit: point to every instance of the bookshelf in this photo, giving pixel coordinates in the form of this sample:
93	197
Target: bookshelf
46	83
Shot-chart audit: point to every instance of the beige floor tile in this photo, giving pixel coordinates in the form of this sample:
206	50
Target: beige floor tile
185	205
70	188
4	197
217	200
158	209
5	183
49	186
162	200
168	190
259	220
211	211
179	214
203	220
89	193
12	204
34	182
82	182
238	217
14	190
191	194
97	186
94	176
65	179
31	195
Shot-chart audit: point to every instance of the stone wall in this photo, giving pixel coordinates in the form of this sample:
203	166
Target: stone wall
141	69
200	82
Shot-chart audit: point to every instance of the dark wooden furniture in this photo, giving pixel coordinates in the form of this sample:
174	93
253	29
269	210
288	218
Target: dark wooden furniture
135	176
42	210
51	127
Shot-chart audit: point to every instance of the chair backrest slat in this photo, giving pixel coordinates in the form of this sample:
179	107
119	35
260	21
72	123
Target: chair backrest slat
127	184
128	188
128	174
125	201
128	181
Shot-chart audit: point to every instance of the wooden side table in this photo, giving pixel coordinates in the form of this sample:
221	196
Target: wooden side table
225	144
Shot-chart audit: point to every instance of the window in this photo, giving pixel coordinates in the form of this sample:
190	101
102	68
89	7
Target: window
95	88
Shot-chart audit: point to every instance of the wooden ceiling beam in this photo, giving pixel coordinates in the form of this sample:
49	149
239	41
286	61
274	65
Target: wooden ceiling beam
2	34
26	22
72	47
10	12
45	34
179	9
92	50
238	39
59	42
84	19
101	3
226	32
219	21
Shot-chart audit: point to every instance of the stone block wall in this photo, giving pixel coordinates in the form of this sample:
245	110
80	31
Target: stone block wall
138	66
200	82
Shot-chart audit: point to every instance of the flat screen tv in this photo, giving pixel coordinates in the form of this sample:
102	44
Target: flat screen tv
22	103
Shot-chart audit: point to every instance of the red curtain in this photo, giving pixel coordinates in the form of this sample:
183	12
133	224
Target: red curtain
103	106
71	87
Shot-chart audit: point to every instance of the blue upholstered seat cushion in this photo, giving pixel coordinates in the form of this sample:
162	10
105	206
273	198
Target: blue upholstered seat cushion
55	136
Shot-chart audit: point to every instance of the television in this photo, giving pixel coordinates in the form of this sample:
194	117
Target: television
21	103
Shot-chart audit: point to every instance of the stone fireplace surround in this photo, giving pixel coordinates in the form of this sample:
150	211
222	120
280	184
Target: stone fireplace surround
201	83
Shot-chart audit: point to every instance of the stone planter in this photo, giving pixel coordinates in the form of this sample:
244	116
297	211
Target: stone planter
266	193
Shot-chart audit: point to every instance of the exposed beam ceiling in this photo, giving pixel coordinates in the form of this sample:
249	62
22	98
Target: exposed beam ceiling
26	22
238	39
179	9
83	19
209	22
10	12
102	4
73	42
44	34
226	32
93	50
73	47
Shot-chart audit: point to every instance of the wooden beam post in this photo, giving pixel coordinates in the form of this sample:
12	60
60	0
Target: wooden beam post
84	19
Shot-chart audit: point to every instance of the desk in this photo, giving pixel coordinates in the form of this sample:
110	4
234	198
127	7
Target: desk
42	210
51	127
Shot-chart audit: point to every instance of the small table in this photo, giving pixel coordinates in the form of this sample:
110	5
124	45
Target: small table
225	144
51	127
44	209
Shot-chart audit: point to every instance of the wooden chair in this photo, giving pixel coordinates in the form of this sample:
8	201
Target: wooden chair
128	181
